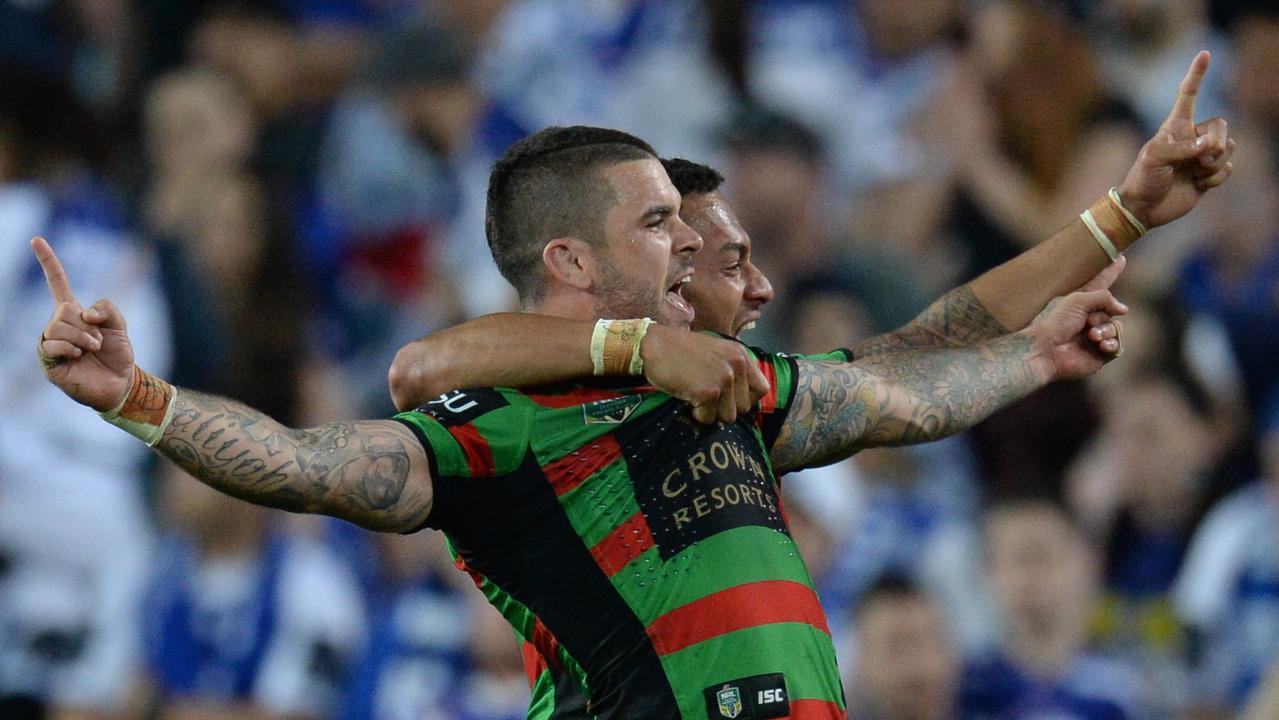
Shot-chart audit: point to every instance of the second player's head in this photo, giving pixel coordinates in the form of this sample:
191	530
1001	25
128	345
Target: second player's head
584	222
728	291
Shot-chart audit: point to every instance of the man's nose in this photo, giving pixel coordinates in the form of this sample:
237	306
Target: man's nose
758	288
684	239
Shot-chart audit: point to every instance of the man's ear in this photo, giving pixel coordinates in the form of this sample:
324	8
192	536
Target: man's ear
570	261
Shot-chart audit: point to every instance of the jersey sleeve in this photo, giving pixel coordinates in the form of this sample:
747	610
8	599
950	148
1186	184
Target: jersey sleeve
467	434
782	372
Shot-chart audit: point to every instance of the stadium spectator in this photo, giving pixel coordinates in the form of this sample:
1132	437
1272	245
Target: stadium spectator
1044	577
908	665
1234	277
74	537
1226	589
245	620
1154	449
416	661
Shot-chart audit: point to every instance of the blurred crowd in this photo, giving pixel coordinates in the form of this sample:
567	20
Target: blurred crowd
280	194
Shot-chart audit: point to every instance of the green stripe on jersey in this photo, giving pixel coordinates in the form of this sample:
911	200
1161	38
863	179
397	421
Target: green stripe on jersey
738	654
653	588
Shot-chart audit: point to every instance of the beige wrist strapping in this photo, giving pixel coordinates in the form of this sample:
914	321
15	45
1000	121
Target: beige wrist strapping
615	346
1108	220
146	410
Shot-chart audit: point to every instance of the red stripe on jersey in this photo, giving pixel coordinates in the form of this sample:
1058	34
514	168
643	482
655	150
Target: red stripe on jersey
574	468
581	396
768	403
816	710
623	545
534	663
736	608
479	456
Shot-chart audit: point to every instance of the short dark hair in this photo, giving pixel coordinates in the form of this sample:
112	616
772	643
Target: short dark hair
547	186
691	178
893	586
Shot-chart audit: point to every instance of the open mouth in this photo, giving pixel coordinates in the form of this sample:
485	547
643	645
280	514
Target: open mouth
675	296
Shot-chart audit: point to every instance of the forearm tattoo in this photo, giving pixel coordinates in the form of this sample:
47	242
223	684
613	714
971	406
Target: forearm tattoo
956	319
900	398
357	471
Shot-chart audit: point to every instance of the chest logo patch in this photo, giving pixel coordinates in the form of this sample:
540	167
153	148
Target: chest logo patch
730	702
613	411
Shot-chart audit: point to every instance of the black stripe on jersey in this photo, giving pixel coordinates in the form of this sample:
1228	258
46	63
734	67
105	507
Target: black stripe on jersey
553	574
459	407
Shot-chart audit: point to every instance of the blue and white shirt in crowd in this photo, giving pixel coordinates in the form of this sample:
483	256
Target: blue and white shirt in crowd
1094	688
416	662
810	58
279	628
73	527
1229	591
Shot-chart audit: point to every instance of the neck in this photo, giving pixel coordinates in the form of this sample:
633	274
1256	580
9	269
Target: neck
570	304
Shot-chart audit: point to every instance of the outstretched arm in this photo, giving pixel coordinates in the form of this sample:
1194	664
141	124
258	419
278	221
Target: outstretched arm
1172	172
372	473
914	396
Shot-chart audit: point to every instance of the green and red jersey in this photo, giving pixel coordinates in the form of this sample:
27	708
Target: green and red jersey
643	558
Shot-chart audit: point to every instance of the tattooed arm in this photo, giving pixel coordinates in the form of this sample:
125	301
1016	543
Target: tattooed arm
372	473
914	396
956	319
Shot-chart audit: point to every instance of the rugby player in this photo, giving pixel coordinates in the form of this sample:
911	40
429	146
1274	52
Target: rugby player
644	553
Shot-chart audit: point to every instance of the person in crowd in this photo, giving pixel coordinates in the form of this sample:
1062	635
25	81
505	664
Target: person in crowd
417	660
74	536
907	664
1157	452
243	619
1045	578
1226	590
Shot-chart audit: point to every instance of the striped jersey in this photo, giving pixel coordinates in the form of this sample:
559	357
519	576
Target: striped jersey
643	558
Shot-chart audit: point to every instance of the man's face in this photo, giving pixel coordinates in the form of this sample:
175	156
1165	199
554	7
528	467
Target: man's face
728	291
907	666
1041	569
648	255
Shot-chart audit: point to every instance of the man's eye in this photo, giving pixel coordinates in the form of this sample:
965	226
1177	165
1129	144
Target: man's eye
656	224
733	268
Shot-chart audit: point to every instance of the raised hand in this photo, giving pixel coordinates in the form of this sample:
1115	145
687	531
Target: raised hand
1182	161
86	351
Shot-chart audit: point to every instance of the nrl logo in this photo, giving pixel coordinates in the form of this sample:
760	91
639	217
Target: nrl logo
730	702
614	411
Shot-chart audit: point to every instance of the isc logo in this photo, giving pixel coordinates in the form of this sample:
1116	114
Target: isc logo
765	697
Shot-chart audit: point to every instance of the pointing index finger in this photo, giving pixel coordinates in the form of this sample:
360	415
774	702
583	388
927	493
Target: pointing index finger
1184	108
53	272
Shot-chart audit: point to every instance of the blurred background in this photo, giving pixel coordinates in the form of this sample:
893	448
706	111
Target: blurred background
280	194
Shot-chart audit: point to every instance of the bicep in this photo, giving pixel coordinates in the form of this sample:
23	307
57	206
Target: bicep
374	473
833	407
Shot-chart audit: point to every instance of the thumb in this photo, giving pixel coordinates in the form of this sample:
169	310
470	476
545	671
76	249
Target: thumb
1097	301
1104	279
104	314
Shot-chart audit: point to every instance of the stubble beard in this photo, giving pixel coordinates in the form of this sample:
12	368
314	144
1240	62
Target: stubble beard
623	296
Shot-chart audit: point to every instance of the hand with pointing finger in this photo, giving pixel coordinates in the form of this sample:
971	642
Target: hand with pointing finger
86	351
1182	161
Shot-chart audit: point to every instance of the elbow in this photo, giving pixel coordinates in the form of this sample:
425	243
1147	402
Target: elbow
417	376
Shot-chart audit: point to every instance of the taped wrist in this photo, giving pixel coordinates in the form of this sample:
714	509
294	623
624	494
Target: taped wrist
146	410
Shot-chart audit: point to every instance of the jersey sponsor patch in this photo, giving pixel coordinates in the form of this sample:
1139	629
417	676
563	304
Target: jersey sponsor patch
759	696
692	483
459	407
613	411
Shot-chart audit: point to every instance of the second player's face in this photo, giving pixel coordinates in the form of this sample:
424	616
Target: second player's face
728	290
644	269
